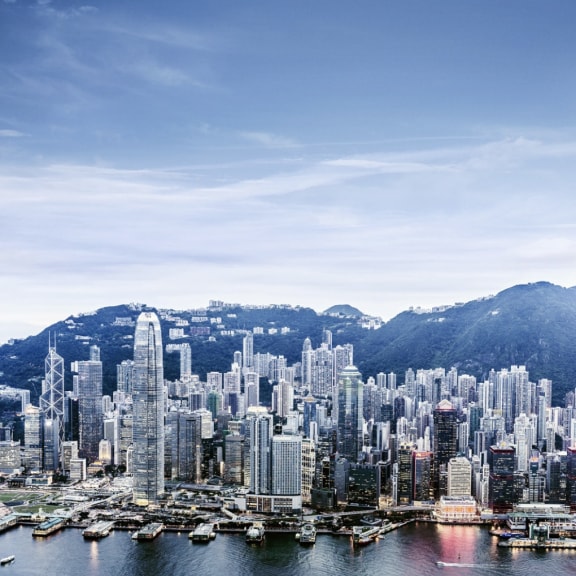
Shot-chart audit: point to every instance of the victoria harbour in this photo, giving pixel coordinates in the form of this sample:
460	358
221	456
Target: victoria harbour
418	548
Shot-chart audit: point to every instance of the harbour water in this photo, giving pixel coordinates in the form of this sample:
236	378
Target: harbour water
413	549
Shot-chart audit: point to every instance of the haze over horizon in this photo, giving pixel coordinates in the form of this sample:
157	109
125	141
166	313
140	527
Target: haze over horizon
387	156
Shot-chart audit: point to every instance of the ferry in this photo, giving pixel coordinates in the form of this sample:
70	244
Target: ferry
362	535
307	534
255	533
98	530
203	533
148	532
49	527
7	560
8	521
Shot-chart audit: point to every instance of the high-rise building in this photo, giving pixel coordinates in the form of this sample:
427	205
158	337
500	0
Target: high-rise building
90	405
286	463
234	463
501	487
125	376
185	361
364	484
251	389
349	407
307	359
571	478
69	453
556	468
283	398
422	476
33	439
445	443
459	477
342	356
308	467
111	428
405	474
259	429
52	408
187	460
148	399
310	408
214	381
248	352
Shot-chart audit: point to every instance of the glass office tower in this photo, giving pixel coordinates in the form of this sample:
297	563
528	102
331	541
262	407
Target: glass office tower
148	399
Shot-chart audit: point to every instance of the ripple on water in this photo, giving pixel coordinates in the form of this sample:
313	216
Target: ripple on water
414	549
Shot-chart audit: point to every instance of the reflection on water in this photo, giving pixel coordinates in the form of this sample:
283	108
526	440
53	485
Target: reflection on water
414	549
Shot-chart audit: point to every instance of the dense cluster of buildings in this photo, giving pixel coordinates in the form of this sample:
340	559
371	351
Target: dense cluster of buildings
329	439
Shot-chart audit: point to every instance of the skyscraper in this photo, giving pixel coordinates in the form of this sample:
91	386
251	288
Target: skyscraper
259	427
90	405
307	359
125	376
148	399
286	465
445	443
52	408
349	413
33	439
248	352
501	487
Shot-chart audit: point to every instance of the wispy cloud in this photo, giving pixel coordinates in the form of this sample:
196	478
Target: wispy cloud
7	133
163	34
376	217
268	139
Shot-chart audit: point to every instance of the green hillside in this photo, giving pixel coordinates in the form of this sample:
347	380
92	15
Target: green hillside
532	325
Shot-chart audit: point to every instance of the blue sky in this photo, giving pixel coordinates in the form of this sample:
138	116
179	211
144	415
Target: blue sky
376	153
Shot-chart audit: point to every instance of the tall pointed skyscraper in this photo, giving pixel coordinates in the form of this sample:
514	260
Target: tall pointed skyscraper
148	401
52	409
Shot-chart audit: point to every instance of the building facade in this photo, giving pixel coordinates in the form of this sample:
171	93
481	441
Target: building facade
349	414
148	400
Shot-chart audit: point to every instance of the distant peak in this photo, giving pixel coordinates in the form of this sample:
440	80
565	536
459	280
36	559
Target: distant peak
343	310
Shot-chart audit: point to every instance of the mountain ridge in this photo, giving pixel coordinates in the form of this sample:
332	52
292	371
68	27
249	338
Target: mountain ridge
528	324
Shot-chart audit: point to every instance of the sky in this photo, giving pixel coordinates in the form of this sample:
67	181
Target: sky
383	154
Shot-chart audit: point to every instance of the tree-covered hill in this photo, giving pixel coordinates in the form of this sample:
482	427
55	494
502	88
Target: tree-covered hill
532	325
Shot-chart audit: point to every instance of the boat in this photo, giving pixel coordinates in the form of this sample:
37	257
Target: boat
49	527
7	560
255	533
148	532
362	535
203	533
307	534
98	530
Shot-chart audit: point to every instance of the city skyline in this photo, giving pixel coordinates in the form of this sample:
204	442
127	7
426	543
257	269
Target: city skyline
392	156
467	444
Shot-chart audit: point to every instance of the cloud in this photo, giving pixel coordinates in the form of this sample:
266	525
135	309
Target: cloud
7	133
163	34
156	73
363	225
46	8
268	140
